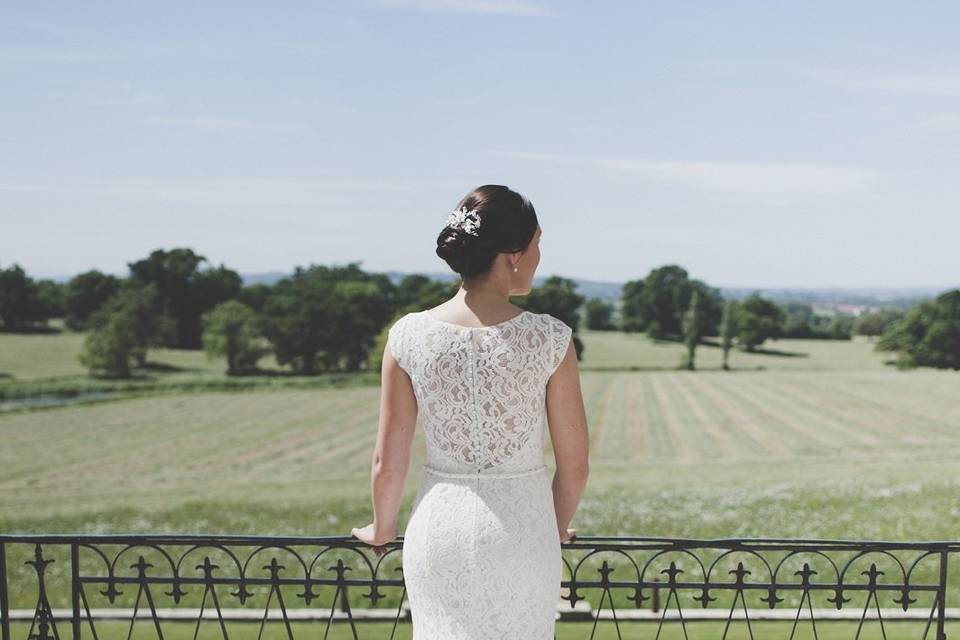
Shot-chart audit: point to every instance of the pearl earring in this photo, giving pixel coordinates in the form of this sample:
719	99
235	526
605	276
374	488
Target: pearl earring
514	269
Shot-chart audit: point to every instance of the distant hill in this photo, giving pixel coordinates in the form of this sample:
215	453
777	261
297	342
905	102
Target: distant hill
848	299
267	277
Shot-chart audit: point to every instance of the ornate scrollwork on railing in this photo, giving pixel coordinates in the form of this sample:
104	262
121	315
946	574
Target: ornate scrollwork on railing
785	582
50	584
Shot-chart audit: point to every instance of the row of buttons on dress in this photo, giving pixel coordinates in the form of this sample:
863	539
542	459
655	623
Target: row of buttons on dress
471	354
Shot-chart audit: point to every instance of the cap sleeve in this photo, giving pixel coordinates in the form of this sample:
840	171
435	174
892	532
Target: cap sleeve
395	342
560	334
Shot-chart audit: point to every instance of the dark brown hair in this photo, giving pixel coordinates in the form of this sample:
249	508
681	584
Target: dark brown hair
507	224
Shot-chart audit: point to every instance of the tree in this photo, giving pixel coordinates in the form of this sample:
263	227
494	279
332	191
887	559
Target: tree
52	296
658	304
21	305
326	319
728	330
929	334
255	295
361	308
757	320
185	292
691	328
599	313
231	330
632	317
802	321
709	306
86	293
152	328
123	329
416	291
109	346
876	323
661	299
798	320
298	321
840	327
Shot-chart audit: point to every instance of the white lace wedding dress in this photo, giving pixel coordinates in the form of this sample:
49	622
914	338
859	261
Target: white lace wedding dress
481	549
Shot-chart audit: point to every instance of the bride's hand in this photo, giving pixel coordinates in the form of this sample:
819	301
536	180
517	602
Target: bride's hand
568	535
373	538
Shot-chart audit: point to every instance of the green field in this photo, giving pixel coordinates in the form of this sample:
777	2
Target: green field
815	439
832	424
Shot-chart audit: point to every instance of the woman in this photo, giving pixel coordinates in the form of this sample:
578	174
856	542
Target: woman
481	549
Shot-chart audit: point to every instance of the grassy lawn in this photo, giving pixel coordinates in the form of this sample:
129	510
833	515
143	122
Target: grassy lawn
565	631
669	437
634	351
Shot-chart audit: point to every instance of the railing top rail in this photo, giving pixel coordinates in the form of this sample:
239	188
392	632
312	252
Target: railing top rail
638	542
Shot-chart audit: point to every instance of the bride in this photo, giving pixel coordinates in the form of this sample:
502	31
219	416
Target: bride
481	548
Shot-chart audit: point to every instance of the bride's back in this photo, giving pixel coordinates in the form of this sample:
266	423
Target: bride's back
481	390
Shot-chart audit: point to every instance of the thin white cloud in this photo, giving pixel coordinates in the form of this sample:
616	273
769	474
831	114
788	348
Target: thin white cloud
55	56
126	99
223	123
250	191
936	83
511	7
37	26
777	179
941	121
751	178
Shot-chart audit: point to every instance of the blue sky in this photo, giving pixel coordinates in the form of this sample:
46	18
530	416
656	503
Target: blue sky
755	143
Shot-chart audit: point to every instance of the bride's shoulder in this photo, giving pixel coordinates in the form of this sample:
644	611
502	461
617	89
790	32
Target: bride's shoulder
560	331
400	323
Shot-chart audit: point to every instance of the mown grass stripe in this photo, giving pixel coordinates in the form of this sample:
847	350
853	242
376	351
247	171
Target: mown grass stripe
801	436
637	444
816	410
717	439
751	430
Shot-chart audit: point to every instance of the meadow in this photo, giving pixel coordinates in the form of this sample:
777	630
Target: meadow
811	439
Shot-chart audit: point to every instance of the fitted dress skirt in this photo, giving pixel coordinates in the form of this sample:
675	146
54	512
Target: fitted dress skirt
481	557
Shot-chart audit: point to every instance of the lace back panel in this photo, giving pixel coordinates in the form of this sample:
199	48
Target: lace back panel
481	391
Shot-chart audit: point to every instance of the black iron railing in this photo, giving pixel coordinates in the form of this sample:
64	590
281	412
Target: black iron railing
59	586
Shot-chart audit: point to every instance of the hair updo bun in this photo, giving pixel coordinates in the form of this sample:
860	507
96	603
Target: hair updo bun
451	246
508	222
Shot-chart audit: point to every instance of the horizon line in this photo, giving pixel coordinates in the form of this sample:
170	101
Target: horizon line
795	287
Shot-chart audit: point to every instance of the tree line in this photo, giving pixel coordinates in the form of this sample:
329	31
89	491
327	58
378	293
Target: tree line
319	319
668	304
327	319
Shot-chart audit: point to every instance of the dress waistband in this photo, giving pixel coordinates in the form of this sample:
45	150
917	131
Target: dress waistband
473	476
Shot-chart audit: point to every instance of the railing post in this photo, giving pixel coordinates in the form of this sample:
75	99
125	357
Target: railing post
942	604
4	605
75	588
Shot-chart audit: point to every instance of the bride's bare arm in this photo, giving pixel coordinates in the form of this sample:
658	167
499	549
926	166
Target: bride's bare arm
567	420
391	455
